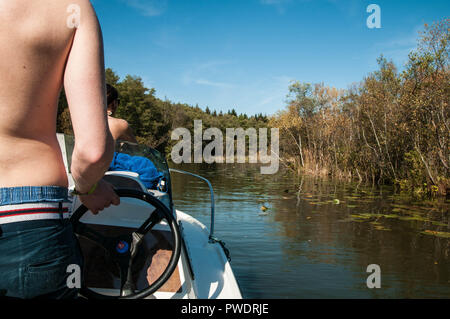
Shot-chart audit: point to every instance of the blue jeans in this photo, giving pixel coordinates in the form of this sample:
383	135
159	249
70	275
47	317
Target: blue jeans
35	254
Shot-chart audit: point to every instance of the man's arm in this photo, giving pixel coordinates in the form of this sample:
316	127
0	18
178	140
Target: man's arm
84	82
121	130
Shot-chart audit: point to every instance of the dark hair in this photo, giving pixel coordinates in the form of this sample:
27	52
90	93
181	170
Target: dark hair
111	93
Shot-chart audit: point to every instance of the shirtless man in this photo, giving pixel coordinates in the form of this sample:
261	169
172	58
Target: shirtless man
39	52
120	129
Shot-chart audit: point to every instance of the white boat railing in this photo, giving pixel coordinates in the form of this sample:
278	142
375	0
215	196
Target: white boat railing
211	191
212	238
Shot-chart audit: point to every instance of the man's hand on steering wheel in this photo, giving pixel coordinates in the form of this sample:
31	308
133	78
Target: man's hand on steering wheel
102	197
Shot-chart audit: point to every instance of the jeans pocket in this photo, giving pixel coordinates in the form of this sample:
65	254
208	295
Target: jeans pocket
47	277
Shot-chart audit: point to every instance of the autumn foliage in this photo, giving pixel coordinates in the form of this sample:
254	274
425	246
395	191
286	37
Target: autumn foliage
392	128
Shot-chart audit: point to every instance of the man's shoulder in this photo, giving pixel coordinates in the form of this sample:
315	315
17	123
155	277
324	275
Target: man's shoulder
119	123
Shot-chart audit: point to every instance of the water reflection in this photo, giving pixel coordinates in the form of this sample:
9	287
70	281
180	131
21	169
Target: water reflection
316	238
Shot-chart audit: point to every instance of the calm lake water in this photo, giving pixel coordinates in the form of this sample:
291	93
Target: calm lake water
317	237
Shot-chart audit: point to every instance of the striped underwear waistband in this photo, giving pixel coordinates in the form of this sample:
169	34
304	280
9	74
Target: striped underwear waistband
33	211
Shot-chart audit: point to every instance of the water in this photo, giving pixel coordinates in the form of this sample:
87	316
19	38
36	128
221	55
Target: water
317	237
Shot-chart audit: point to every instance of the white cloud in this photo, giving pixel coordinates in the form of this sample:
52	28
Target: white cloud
399	47
273	92
278	4
149	8
199	74
274	2
213	83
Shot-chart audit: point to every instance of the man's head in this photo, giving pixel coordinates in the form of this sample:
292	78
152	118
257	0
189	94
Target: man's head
113	100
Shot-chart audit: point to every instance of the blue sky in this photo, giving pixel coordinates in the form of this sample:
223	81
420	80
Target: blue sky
243	54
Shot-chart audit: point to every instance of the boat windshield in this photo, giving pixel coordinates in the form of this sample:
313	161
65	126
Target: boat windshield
147	152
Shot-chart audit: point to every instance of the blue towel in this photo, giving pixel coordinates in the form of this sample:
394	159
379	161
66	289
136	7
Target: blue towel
147	171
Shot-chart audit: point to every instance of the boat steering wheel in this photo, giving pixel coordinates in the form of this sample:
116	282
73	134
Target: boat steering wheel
123	249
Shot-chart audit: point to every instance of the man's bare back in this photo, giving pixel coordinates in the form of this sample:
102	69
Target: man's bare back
35	41
35	61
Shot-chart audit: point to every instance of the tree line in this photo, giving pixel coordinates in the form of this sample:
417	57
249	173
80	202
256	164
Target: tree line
153	119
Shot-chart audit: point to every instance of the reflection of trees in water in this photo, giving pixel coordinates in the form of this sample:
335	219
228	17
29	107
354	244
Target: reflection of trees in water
310	225
225	178
316	228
